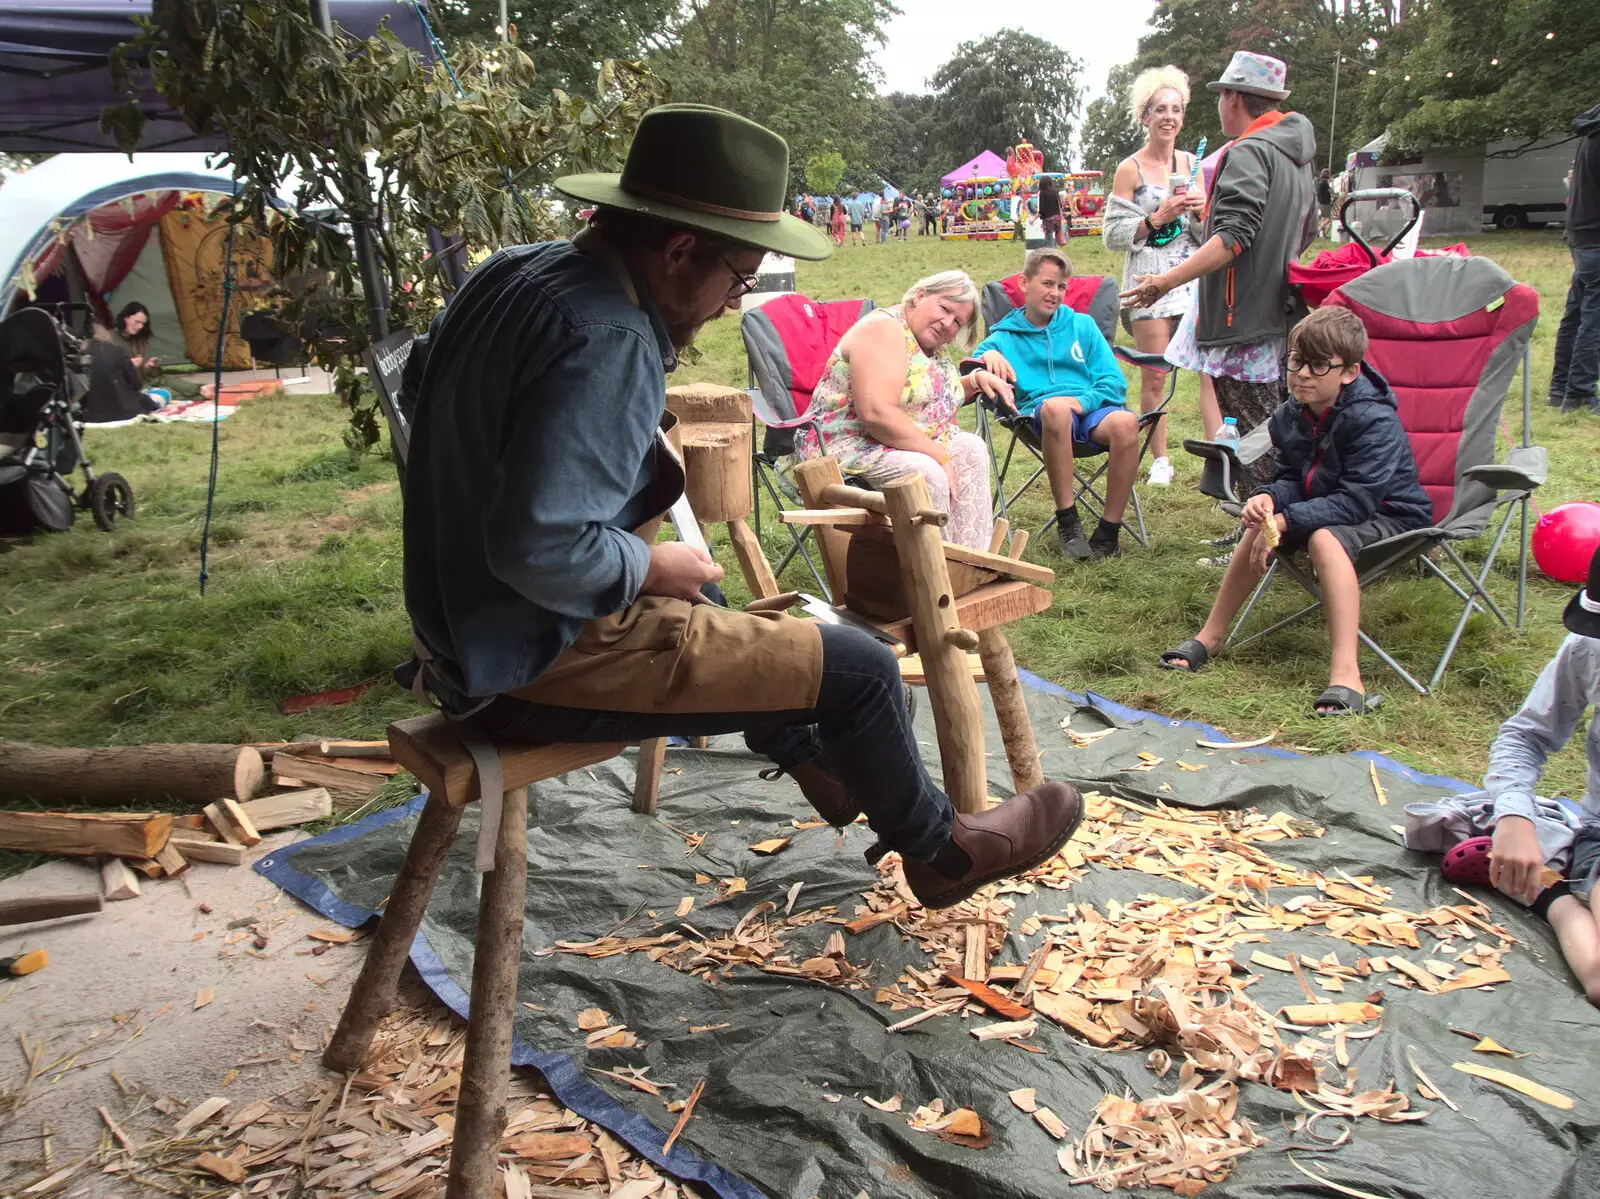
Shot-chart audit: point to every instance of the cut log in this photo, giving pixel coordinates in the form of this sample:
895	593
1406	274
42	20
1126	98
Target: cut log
709	404
117	881
97	834
753	562
305	770
290	808
148	867
351	749
222	824
716	465
190	773
172	860
248	835
957	717
196	847
48	907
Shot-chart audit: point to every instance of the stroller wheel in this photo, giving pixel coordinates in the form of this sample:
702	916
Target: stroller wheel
110	497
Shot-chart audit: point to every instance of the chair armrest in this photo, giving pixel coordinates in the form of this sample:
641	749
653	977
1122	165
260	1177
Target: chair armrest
1213	451
1143	359
1524	469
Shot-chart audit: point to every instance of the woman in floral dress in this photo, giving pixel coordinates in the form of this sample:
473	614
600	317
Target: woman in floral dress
887	401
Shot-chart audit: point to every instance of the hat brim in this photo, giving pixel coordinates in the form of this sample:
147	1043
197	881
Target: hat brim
787	235
1579	619
1220	86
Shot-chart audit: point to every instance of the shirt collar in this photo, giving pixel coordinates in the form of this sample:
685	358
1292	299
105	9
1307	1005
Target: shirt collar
596	246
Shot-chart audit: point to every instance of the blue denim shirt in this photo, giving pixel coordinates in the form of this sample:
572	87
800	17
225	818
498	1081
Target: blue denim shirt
533	453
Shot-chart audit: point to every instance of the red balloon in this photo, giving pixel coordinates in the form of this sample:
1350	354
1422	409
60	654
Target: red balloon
1565	539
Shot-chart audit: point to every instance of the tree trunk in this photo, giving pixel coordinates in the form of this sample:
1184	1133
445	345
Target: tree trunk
117	773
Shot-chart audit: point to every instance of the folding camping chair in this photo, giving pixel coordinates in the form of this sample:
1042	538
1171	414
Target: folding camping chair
1095	296
787	341
1447	333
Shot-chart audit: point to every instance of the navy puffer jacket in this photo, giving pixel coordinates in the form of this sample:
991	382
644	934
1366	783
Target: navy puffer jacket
1349	465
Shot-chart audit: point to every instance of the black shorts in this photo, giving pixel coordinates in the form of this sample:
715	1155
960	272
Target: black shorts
1354	538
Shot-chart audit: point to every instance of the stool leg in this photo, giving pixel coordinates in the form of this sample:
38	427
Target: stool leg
486	1069
647	776
373	995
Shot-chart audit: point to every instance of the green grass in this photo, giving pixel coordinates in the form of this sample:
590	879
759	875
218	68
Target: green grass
105	639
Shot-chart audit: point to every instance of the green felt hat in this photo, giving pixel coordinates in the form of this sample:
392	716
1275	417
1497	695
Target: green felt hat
706	168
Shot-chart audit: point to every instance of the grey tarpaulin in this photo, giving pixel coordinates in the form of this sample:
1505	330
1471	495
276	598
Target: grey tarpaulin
790	1046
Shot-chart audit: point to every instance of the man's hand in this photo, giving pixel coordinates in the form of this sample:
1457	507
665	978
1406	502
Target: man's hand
1147	289
678	571
995	362
1516	859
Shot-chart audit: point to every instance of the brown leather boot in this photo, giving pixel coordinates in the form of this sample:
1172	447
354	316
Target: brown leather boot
825	793
1014	836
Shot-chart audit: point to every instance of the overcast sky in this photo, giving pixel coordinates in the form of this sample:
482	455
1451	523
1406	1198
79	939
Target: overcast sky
1101	33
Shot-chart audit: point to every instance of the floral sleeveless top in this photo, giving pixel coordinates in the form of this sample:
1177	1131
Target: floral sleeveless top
931	398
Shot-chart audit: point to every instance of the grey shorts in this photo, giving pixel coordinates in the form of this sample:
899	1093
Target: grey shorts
1585	860
1354	538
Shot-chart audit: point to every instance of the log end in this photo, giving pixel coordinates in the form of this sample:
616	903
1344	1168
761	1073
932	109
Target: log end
249	771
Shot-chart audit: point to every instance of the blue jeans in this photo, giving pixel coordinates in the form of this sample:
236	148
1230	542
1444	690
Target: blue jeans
859	732
1578	340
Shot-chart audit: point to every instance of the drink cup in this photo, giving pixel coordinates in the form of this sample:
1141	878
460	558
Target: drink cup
1178	183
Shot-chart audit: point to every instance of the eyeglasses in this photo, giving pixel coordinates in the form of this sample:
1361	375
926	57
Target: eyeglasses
743	284
1294	364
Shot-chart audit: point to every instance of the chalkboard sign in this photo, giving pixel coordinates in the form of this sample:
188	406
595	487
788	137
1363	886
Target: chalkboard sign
386	362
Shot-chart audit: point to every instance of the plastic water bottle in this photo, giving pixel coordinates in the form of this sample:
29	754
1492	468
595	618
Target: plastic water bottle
1229	433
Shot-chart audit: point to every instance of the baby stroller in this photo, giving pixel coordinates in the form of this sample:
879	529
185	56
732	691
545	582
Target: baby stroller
42	378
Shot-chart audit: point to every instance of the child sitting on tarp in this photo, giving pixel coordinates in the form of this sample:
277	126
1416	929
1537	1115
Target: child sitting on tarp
1534	838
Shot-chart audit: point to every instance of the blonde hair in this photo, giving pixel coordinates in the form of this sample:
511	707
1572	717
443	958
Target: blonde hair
1151	81
958	286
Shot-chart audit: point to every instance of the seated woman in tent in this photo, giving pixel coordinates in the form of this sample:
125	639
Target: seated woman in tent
132	332
886	403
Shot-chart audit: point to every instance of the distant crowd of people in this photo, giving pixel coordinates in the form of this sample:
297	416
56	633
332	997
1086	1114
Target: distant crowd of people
866	217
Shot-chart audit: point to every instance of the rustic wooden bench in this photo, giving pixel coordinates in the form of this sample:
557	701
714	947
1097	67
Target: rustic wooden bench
434	751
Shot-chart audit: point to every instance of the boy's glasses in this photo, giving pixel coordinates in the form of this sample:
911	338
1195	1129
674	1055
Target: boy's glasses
1295	364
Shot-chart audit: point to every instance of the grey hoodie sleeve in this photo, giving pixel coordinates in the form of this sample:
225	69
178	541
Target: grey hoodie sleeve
1120	225
1239	196
1540	728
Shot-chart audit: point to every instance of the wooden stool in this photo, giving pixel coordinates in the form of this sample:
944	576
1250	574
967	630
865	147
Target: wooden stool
433	750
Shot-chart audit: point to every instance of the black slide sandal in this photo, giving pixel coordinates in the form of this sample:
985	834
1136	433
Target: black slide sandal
1347	701
1192	651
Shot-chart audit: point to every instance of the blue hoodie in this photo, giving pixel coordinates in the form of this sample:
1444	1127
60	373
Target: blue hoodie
1067	357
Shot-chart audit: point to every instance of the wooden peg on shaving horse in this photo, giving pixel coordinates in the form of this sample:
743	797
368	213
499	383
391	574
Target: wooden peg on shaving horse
957	716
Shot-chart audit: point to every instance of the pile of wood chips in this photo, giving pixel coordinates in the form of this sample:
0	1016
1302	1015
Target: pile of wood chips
384	1131
1166	975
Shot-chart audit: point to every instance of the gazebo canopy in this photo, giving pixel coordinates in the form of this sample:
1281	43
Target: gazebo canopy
986	165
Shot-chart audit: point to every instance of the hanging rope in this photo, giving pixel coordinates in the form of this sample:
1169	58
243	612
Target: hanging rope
216	390
461	94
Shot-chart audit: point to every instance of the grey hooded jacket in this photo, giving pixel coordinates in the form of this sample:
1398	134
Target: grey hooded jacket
1264	205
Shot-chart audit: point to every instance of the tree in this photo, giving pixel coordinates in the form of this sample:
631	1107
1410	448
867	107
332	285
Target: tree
1109	132
297	103
823	172
900	143
1467	72
803	68
566	42
1009	87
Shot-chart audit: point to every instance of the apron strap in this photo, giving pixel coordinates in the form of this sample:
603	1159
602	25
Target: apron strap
491	797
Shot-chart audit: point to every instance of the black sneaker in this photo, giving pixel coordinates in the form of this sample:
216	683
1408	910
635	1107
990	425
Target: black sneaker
1104	542
1073	543
1573	404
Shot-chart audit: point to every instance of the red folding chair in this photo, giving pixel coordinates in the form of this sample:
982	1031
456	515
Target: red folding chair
788	341
1096	297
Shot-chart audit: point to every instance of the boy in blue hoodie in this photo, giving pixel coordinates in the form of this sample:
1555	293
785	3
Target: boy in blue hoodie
1346	479
1068	382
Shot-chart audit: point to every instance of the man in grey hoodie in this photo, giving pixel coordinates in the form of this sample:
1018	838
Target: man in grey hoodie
1261	214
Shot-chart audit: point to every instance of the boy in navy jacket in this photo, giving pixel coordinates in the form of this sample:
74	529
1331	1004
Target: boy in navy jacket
1346	479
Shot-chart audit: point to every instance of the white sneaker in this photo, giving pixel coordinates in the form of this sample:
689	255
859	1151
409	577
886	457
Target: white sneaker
1160	472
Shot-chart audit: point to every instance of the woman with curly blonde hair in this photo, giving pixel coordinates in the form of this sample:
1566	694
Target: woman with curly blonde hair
886	403
1154	217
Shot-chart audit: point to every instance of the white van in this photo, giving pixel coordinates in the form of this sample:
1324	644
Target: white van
1527	190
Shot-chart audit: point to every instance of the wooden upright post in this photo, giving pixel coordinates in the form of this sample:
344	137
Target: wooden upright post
812	477
957	718
1005	688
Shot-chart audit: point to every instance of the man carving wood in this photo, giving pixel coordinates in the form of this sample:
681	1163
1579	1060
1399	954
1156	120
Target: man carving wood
543	607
